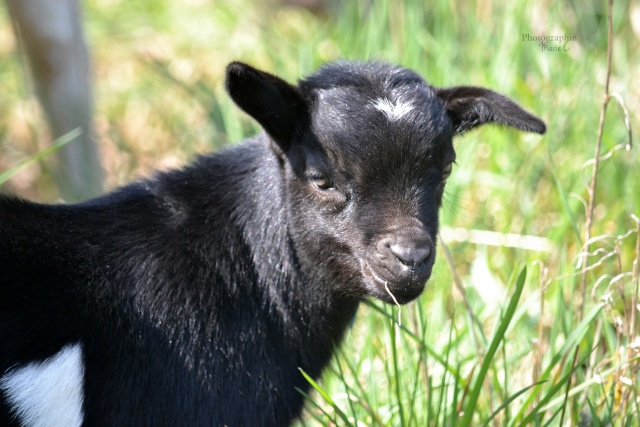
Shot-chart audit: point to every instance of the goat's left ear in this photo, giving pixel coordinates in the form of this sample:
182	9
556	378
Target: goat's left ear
469	107
275	104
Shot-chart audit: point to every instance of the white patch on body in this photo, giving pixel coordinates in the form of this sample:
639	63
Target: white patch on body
393	111
47	393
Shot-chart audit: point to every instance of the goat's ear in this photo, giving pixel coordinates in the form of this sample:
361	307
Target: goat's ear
469	107
274	103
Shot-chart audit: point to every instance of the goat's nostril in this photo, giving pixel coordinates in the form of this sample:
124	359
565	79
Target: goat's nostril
411	256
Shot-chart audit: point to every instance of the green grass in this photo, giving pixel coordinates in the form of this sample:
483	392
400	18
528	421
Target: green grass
493	339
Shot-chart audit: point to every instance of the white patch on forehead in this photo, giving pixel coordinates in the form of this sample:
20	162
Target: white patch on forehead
47	393
393	111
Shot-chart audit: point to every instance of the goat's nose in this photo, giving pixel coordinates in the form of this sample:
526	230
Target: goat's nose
410	255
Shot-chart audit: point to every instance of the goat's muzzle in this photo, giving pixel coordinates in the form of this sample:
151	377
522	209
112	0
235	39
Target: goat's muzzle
399	263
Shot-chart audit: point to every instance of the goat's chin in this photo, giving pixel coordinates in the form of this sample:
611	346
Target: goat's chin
389	290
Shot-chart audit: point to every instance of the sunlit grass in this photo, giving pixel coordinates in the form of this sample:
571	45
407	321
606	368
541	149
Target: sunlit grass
158	69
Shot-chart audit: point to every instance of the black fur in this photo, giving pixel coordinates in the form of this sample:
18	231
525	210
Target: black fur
197	294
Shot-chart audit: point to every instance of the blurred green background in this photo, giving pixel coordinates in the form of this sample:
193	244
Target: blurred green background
158	68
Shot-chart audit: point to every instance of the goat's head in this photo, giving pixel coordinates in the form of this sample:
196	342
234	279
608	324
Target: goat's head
366	150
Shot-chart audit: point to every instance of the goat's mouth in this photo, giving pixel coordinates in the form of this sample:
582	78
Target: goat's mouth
392	290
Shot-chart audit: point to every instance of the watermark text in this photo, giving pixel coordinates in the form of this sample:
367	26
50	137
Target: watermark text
551	43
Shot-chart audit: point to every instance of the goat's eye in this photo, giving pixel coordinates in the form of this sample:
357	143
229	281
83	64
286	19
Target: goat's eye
446	172
320	180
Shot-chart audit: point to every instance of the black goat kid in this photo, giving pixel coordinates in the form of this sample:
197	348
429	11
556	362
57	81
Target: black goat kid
194	297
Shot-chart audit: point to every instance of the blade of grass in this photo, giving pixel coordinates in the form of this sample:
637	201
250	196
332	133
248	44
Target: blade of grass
589	383
361	392
316	405
509	400
536	411
442	397
564	199
397	377
57	144
326	397
553	416
428	349
493	347
342	377
569	345
429	421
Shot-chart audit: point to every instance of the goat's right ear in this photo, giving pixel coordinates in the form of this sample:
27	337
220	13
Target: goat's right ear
274	103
